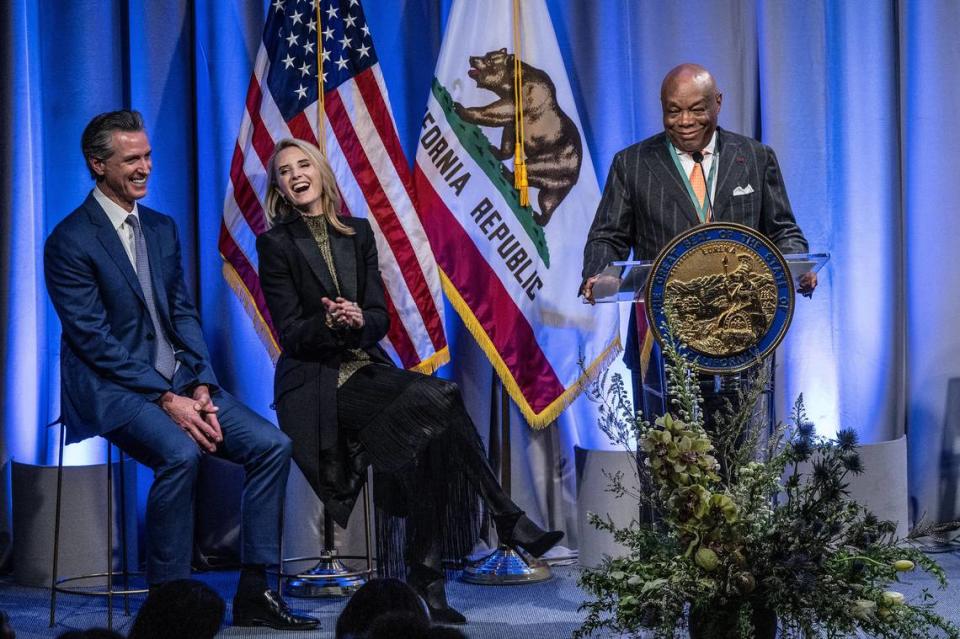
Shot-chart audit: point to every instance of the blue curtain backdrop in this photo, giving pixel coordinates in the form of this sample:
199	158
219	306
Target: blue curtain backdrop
858	98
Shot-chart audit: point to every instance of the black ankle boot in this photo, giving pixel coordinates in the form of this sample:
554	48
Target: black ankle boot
513	527
429	584
518	531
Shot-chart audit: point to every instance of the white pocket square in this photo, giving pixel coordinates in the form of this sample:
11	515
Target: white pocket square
743	190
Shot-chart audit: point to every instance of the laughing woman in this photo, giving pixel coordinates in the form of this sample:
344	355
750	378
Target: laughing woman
339	397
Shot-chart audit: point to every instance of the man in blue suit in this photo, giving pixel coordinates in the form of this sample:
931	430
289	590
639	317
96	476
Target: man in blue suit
135	369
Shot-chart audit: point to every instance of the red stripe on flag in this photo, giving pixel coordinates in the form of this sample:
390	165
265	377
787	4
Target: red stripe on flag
300	128
232	253
491	303
260	136
383	122
244	194
382	210
399	337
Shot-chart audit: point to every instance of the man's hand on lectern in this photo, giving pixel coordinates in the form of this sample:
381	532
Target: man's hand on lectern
587	290
599	286
808	283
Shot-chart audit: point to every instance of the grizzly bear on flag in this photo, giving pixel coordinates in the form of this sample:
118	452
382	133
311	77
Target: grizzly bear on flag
551	139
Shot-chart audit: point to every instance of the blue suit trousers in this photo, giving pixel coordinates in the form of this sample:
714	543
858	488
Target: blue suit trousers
156	441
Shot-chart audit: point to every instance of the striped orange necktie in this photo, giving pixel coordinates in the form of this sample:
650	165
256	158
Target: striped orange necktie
698	183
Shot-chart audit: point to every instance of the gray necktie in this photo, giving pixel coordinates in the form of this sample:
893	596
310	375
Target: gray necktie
163	358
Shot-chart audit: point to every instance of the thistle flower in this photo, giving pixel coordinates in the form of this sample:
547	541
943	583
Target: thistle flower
852	463
805	430
847	439
822	473
801	449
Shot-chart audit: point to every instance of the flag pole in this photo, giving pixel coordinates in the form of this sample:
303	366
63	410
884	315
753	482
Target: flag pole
321	108
504	565
519	155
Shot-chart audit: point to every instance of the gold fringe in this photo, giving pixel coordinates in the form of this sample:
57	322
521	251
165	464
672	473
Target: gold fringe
432	363
541	420
645	349
250	306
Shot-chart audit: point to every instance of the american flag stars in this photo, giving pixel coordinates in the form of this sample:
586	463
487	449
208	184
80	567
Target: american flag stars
346	49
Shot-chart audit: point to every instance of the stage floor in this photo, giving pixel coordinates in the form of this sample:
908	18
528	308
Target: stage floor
546	610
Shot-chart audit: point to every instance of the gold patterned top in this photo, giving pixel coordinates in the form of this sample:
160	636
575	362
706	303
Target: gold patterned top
355	358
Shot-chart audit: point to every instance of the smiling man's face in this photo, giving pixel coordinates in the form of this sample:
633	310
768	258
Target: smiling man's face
123	176
691	105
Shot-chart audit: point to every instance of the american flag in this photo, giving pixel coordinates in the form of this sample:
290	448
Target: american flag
360	139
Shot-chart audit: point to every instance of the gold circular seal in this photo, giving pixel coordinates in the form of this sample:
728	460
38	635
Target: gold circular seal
731	291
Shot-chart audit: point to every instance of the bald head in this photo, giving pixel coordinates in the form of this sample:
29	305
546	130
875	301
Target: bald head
691	105
687	74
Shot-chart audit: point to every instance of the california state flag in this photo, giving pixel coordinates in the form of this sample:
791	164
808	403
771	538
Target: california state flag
511	269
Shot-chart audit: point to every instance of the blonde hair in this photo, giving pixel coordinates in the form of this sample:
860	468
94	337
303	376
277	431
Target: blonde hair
277	206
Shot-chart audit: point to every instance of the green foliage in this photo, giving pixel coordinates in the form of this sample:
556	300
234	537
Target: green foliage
745	522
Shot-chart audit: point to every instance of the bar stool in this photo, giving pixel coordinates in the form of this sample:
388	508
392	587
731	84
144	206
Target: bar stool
56	583
329	577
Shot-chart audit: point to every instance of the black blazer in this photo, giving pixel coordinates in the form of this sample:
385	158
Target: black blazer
645	205
294	278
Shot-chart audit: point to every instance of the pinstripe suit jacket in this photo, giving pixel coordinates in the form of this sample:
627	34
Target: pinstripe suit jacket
645	204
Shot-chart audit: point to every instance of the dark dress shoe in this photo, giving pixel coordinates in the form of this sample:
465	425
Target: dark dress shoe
518	531
268	609
429	584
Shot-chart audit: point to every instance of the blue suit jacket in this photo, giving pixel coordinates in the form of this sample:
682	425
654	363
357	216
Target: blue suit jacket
106	349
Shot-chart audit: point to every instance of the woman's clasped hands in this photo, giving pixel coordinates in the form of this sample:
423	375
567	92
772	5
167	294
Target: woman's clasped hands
342	313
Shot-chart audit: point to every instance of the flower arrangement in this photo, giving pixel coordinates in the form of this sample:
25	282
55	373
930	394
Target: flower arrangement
750	531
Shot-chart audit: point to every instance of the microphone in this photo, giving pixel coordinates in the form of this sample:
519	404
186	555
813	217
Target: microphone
698	158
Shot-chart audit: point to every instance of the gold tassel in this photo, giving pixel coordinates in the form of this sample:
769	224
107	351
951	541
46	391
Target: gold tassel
520	177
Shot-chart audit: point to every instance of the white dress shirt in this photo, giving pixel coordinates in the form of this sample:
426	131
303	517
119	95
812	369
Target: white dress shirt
118	218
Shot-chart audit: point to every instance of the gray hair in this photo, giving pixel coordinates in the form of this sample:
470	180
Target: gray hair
97	139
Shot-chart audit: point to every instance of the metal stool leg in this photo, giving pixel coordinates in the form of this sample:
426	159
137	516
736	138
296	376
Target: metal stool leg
56	583
366	527
56	531
109	536
124	562
329	577
280	551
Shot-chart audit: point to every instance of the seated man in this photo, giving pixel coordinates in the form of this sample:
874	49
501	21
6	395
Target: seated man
135	369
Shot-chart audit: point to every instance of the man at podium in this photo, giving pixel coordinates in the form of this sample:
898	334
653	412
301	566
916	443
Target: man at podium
692	173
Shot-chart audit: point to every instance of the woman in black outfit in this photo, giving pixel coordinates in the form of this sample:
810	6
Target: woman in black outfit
338	395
